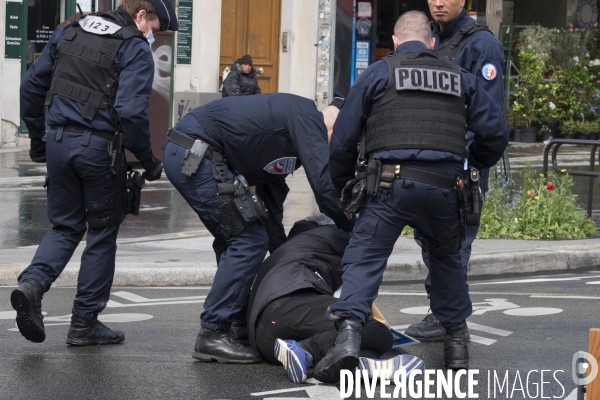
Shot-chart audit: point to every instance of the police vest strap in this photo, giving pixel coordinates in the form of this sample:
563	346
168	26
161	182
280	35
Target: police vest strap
92	100
460	40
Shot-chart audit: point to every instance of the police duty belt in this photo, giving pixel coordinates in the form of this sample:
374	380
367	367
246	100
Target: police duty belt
197	151
391	172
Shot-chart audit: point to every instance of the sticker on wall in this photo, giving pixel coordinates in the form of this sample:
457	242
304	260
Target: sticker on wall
587	13
363	27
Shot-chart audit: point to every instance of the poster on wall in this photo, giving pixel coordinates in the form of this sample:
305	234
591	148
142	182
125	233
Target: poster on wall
362	56
184	35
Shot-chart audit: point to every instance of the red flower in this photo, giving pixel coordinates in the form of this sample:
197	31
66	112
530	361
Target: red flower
529	193
550	186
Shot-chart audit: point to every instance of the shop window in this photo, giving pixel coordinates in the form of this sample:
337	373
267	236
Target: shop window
43	16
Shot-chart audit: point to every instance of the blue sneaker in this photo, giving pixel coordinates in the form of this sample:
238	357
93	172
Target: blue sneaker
294	358
392	365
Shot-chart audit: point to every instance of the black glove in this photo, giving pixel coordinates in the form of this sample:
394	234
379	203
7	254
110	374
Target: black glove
37	153
153	167
353	196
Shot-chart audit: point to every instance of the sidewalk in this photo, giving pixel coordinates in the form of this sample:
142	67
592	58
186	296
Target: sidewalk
188	259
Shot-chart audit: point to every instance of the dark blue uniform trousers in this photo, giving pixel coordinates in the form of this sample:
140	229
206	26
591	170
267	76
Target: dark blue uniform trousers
430	210
78	172
471	229
238	261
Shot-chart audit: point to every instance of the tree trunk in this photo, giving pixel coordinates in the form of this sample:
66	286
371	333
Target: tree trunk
493	15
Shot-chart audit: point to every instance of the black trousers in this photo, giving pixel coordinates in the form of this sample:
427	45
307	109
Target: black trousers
300	316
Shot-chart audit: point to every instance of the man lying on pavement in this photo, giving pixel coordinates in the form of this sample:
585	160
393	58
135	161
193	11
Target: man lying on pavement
293	288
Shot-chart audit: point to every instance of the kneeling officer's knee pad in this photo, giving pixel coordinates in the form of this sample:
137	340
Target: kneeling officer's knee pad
448	242
105	213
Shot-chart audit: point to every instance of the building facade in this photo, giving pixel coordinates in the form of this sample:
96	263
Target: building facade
311	48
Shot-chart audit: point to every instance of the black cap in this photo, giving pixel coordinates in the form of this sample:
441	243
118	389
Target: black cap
166	15
246	60
338	99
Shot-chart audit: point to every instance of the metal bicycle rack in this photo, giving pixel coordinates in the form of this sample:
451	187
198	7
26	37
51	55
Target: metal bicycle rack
555	144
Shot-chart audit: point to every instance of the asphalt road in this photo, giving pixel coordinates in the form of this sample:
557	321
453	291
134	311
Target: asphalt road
519	325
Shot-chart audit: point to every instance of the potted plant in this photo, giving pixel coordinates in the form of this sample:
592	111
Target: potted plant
568	128
581	130
515	121
531	94
594	130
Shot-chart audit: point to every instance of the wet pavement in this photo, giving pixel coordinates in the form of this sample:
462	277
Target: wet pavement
24	221
519	325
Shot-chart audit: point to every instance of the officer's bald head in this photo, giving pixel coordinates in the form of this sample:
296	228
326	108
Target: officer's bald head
412	25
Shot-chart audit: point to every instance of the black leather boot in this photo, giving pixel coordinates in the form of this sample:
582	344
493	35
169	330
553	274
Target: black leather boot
456	351
344	355
429	330
27	301
239	331
86	332
219	346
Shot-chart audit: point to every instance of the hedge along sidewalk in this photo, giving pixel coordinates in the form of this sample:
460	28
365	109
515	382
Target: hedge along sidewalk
188	259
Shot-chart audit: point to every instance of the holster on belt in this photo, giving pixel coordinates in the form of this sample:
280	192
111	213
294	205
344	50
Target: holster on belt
117	153
468	193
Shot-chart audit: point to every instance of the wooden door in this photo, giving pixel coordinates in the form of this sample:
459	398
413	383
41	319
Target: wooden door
252	27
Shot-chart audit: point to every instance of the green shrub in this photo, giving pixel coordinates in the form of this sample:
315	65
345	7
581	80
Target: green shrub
539	211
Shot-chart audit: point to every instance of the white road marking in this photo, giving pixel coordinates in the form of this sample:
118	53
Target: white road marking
534	280
481	339
403	293
400	327
492	305
115	304
109	318
139	299
533	311
488	329
151	208
593	283
572	395
12	314
315	390
559	296
422	310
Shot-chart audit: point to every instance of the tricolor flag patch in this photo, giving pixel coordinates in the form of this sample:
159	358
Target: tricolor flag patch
489	72
281	166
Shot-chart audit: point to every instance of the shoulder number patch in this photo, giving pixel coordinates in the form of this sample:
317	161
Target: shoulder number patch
98	25
281	166
489	72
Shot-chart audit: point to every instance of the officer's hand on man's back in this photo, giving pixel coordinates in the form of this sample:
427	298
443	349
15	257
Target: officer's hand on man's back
37	153
153	167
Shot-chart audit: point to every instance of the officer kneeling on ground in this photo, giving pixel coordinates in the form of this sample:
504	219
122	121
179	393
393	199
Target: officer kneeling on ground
214	157
412	155
94	78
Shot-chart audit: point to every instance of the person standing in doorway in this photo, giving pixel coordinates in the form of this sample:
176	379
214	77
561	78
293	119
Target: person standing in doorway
242	80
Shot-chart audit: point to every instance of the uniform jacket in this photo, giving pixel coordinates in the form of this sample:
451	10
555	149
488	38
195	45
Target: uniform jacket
238	83
310	260
481	50
136	65
485	119
254	132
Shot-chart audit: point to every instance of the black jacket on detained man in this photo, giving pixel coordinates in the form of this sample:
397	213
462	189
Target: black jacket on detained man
311	258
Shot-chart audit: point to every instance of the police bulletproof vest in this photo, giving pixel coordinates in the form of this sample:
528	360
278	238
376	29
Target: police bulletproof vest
423	106
85	69
460	40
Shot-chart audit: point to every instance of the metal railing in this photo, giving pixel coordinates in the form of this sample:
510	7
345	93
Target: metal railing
555	144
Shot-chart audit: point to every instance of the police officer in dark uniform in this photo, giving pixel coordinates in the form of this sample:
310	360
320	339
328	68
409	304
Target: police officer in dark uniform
474	48
222	157
91	85
412	107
